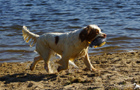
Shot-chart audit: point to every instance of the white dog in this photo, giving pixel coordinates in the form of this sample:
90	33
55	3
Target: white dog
69	45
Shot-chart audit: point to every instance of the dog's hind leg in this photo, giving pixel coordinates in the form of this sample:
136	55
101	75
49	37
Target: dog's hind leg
36	59
63	63
46	57
46	53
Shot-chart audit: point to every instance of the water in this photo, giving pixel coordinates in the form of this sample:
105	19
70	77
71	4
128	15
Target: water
119	19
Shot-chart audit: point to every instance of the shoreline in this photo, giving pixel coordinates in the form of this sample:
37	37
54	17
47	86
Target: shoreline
91	54
117	71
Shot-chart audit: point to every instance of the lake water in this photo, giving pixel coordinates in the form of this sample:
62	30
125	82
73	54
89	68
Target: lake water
119	19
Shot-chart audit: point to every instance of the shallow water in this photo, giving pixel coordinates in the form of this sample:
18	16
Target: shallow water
119	19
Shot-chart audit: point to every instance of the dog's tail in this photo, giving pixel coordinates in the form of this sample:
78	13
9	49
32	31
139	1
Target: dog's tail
29	36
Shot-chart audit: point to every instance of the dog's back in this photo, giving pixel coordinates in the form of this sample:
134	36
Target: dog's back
55	41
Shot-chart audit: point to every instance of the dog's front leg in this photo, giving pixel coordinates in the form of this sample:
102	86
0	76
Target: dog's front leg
88	63
63	64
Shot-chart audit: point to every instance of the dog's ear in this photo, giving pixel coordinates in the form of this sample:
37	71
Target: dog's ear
88	33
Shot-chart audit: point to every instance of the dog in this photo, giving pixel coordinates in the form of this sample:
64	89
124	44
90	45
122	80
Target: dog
69	46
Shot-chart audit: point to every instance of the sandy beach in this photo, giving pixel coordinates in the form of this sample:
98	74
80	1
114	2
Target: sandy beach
118	71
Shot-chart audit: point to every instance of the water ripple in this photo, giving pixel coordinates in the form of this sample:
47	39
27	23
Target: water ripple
118	19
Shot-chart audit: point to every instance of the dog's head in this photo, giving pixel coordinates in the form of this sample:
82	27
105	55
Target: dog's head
90	33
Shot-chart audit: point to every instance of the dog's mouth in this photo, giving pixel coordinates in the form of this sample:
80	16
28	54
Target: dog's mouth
98	42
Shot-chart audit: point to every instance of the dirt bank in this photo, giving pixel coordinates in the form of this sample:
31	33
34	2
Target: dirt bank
117	71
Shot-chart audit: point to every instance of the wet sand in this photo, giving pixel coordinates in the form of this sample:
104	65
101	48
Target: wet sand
117	71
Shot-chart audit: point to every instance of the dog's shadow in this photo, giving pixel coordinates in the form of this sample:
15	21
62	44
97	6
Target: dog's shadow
23	77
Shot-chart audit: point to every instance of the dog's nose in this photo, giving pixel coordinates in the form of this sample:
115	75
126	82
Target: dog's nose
104	35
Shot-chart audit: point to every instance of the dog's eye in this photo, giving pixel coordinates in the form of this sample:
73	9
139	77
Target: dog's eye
97	33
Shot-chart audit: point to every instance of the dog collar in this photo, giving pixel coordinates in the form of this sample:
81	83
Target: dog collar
89	42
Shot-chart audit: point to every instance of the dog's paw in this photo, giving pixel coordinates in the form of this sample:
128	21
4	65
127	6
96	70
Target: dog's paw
31	67
91	69
59	68
46	68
